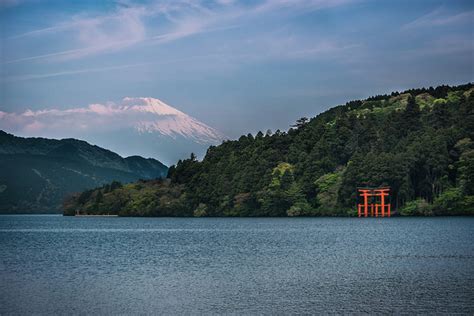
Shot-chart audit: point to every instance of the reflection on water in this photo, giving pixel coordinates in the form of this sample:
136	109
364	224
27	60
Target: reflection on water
55	264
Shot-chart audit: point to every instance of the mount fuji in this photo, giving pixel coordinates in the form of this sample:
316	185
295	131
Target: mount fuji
136	126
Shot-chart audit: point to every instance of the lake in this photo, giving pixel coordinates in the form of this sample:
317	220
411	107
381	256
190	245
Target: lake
111	265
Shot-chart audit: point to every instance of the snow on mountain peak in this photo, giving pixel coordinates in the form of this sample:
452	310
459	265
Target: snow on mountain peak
169	121
151	105
145	126
145	115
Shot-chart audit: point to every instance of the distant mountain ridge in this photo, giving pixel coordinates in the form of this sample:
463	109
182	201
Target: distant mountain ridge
37	173
142	126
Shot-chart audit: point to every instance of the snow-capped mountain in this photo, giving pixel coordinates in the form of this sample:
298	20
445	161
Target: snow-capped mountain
169	121
136	126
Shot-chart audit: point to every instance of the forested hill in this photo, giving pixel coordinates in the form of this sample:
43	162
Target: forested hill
36	174
418	142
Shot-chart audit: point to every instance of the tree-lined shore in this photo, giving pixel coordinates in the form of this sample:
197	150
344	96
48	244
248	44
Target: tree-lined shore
419	142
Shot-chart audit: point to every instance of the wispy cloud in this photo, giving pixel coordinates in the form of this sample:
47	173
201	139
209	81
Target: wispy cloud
130	25
272	52
51	29
91	35
444	45
271	5
69	72
111	68
440	17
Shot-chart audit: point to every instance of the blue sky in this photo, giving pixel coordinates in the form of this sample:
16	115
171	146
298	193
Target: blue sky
239	66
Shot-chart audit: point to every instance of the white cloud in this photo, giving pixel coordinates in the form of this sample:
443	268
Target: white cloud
129	25
144	115
122	28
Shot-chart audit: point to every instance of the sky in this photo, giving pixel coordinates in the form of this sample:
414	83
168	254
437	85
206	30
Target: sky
238	66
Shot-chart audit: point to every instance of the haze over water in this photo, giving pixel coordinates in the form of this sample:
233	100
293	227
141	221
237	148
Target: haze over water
55	264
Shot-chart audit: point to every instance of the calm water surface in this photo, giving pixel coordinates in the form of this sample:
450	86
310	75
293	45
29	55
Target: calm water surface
64	265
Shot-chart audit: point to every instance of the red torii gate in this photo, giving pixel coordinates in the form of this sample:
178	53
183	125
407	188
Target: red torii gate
374	199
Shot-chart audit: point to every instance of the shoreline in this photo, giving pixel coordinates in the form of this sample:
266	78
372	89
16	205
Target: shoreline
92	215
115	215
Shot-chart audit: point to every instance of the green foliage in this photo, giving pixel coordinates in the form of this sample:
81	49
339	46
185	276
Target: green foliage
439	101
466	165
418	207
201	210
283	173
327	187
454	96
467	205
424	100
300	208
454	202
418	142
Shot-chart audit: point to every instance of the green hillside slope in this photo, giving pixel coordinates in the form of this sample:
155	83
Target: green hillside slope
418	142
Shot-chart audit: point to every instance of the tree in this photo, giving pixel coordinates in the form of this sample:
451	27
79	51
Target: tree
300	122
466	165
328	187
201	210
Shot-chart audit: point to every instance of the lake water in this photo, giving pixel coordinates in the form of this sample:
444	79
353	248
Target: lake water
97	265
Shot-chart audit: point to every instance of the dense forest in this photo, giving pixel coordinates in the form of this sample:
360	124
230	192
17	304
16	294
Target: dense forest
419	142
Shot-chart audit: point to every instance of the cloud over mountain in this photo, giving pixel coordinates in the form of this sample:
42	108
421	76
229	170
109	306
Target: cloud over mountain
144	126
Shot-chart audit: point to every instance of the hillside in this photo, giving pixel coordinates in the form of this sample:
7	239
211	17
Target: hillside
419	142
36	174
